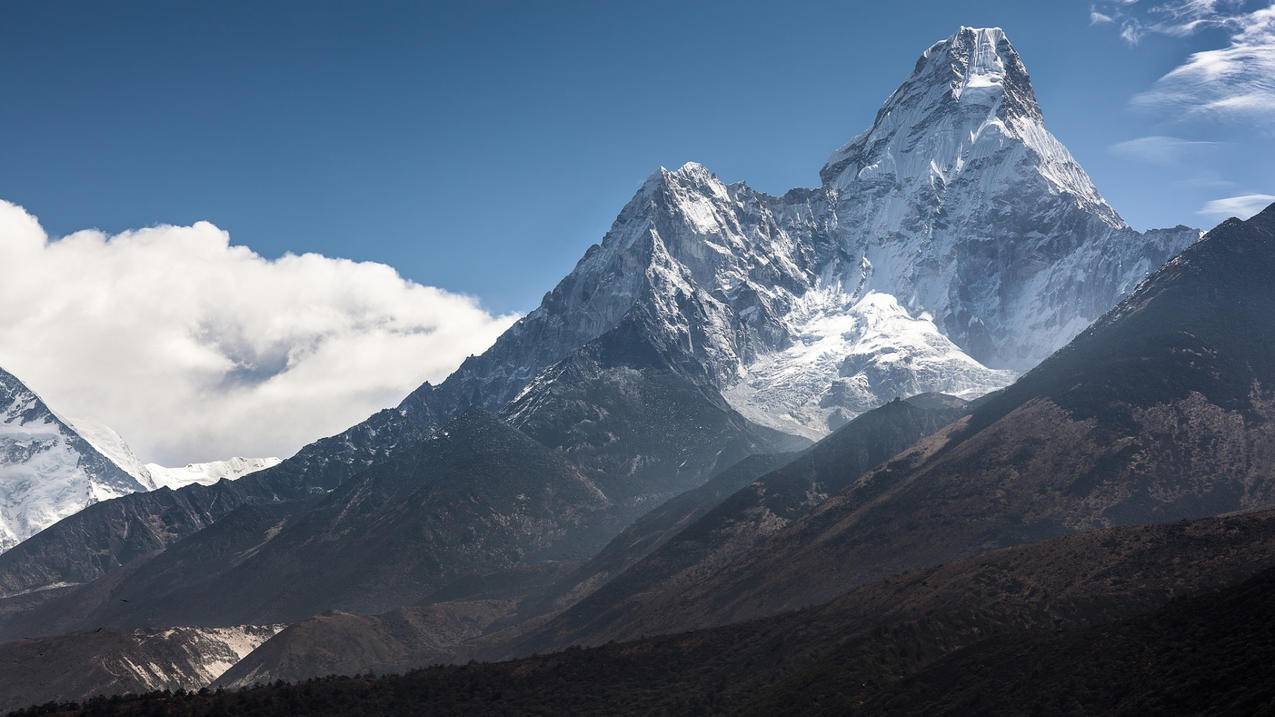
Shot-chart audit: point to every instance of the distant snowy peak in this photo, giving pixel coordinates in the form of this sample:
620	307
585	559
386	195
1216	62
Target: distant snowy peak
48	471
153	475
207	473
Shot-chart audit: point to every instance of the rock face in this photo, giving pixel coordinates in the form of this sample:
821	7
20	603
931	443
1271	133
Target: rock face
47	470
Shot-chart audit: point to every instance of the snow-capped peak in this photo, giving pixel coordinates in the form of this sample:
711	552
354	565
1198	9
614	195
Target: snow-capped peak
953	238
969	103
977	58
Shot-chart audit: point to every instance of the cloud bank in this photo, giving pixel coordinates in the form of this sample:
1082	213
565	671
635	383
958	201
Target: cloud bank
196	349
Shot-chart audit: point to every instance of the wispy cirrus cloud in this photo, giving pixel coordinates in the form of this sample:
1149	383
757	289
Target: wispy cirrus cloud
1232	82
1205	180
1162	150
1242	206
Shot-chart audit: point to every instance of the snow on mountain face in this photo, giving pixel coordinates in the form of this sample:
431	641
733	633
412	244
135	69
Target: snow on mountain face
843	359
207	473
47	470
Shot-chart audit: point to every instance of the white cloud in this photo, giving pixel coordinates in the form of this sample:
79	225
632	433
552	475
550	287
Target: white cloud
1161	150
196	349
1097	18
1243	206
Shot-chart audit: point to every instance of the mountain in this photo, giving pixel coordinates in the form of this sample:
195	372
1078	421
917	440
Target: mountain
1160	411
47	470
983	634
960	202
955	234
106	662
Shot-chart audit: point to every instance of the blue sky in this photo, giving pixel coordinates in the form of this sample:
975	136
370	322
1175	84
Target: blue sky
482	146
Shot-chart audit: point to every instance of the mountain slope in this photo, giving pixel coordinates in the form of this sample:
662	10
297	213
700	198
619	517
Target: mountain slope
860	652
479	510
340	643
105	536
1158	412
646	597
1206	654
47	470
652	530
108	662
671	540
